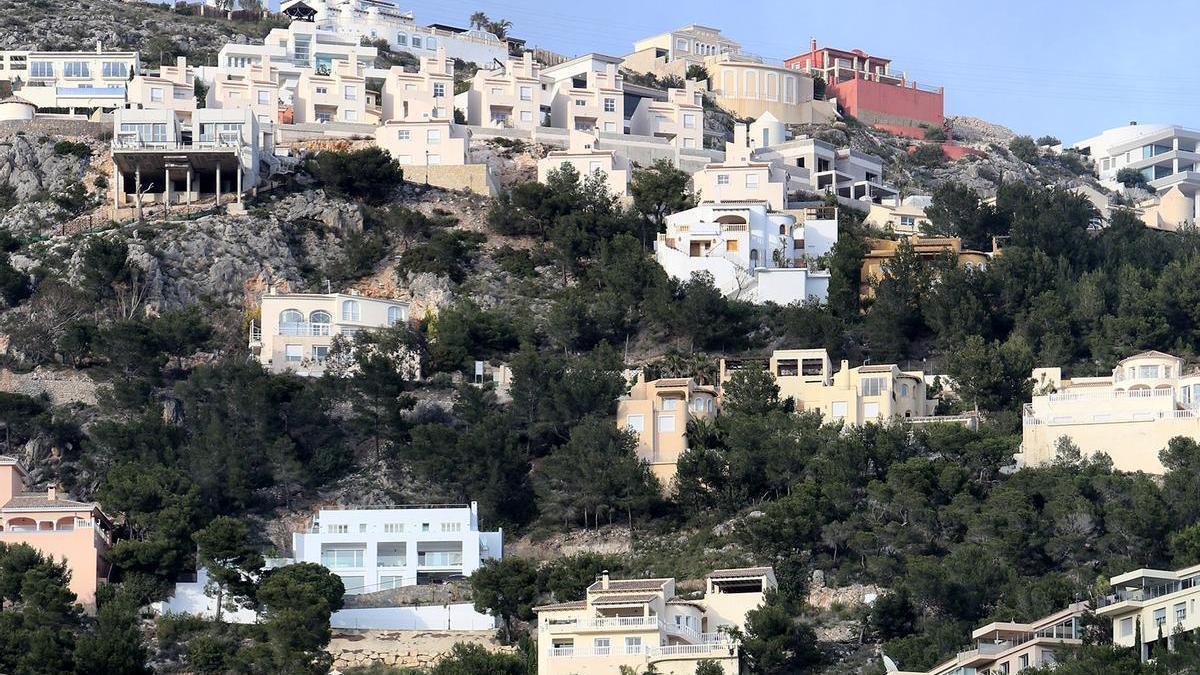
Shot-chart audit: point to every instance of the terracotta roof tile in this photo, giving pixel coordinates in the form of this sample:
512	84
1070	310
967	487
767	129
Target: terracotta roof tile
739	572
630	585
623	599
577	604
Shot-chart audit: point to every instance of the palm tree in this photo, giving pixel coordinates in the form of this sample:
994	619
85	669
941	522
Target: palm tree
480	20
499	28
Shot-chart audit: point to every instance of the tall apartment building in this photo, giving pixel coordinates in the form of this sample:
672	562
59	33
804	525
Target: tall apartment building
425	94
866	88
671	53
1130	414
1165	155
385	20
67	82
587	154
679	118
379	548
752	251
639	623
338	94
587	94
1148	607
870	393
507	97
658	411
157	159
296	330
1012	647
77	533
171	88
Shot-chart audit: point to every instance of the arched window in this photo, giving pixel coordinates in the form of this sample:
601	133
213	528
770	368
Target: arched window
320	316
350	310
290	316
904	390
395	315
65	524
754	258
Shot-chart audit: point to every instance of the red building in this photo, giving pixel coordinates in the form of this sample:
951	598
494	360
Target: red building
865	88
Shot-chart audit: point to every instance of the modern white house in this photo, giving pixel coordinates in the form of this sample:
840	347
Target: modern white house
587	94
1165	155
296	330
752	252
67	82
381	548
385	20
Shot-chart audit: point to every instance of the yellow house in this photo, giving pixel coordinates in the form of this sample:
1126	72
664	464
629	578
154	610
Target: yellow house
902	216
870	393
881	251
659	412
1011	647
1153	605
1131	414
643	622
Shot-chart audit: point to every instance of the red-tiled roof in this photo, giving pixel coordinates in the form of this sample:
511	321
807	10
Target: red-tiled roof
577	604
739	572
623	599
629	585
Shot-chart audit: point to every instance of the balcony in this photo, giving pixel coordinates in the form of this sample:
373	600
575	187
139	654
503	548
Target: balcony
303	329
439	559
390	560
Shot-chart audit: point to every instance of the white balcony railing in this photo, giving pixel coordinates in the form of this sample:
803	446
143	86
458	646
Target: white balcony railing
1109	395
390	561
439	559
304	329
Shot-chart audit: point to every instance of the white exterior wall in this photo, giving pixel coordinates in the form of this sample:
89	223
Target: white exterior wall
397	544
308	336
59	80
427	94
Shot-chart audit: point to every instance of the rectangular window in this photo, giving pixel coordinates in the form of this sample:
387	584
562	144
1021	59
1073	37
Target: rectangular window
732	245
403	135
293	353
338	528
390	581
602	646
838	409
610	105
322	90
350	115
670	403
439	89
393	528
342	557
666	424
404	159
350	93
689	121
751	180
633	645
1127	627
635	423
354	585
873	386
526	93
41	69
610	127
156	95
1180	612
416	41
433	136
320	353
77	69
526	116
1148	371
594	167
401	40
812	367
424	527
115	69
580	102
433	160
1160	617
787	368
722	179
689	142
451	527
264	98
870	411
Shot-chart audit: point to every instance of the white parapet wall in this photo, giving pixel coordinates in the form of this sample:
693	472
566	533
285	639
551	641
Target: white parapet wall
460	616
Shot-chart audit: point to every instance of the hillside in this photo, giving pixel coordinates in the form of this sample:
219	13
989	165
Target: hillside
128	378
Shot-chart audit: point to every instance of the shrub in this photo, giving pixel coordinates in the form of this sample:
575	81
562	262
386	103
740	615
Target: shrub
368	174
1024	148
935	134
1048	140
928	154
1132	178
80	150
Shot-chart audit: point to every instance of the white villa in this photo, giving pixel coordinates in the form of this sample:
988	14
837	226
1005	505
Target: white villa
70	81
752	251
297	329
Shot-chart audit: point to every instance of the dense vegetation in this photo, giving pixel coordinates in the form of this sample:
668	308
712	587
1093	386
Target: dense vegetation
191	441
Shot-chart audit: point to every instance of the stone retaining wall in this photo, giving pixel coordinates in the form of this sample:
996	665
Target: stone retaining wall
403	649
57	126
473	177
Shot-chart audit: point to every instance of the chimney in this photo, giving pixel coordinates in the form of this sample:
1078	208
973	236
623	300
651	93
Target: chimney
99	46
52	493
813	44
604	580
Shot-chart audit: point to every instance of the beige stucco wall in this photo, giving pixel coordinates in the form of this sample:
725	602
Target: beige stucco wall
749	89
473	177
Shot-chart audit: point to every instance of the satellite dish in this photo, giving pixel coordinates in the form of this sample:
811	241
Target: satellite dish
889	665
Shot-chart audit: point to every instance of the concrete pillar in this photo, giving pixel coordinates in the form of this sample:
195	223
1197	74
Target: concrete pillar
116	187
218	185
189	186
167	188
239	184
137	186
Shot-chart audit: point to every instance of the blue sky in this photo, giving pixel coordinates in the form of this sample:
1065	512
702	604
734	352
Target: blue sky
1069	68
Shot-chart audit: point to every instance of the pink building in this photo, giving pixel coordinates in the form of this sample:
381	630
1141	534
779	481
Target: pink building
866	88
61	528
